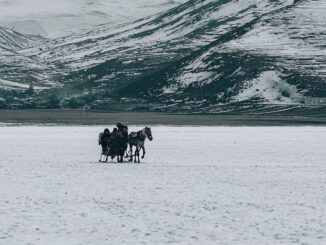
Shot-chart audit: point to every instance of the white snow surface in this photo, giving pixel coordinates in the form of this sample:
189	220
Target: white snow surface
297	34
197	185
271	88
4	84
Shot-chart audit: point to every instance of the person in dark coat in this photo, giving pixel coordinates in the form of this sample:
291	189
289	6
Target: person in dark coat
104	140
120	126
123	131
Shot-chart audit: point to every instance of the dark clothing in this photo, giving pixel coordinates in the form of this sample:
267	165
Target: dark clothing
122	127
104	141
105	138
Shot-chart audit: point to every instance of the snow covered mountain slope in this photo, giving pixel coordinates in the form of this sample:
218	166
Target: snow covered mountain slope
18	72
55	18
263	74
10	39
189	26
23	79
202	56
21	69
28	27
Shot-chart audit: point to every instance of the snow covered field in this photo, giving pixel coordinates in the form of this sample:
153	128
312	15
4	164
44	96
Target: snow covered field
197	185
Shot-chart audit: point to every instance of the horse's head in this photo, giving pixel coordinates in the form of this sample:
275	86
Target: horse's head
148	133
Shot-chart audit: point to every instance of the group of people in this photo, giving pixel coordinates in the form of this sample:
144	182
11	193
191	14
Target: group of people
113	142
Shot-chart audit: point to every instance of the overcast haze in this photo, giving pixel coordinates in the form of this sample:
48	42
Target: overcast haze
54	18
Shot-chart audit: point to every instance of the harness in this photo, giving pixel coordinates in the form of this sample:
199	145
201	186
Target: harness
141	136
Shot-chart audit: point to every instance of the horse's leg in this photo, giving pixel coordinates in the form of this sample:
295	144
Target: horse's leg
120	156
136	154
117	152
144	152
122	153
125	153
130	152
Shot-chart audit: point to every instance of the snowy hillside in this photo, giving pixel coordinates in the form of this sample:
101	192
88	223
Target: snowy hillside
297	34
190	26
19	72
10	39
277	60
254	56
54	18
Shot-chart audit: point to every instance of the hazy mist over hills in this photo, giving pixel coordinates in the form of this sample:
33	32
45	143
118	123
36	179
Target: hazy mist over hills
54	18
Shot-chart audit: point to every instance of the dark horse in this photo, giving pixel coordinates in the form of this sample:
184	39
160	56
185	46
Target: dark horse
117	145
138	139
